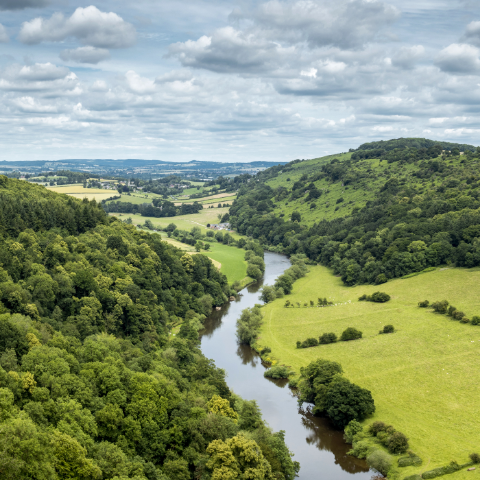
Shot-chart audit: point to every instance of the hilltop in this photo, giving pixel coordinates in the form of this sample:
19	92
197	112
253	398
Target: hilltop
391	215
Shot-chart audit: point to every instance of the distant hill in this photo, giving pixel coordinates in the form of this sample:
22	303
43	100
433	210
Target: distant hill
416	143
362	216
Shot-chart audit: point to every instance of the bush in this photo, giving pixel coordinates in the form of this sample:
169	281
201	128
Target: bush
293	383
424	304
377	427
387	329
382	278
397	443
451	310
411	460
380	297
475	320
438	472
310	342
475	457
440	307
359	450
351	430
363	297
464	320
380	461
327	338
457	315
350	334
277	372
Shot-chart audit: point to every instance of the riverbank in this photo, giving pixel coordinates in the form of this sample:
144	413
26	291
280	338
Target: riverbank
318	448
423	377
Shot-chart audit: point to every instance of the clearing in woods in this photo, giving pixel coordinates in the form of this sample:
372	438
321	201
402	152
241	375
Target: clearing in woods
424	377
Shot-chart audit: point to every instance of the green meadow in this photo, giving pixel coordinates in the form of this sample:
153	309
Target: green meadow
424	378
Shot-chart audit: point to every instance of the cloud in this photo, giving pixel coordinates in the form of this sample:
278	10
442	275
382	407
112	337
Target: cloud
459	58
231	50
85	55
138	84
3	35
42	72
472	33
347	24
407	57
89	25
21	4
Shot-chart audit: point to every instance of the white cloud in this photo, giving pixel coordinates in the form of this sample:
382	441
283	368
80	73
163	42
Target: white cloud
459	58
89	25
85	55
437	121
472	33
41	72
408	57
32	105
311	72
138	84
4	38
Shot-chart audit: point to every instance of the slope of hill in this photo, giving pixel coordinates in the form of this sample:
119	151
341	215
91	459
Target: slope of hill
369	219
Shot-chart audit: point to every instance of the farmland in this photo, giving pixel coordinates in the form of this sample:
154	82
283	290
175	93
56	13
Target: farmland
78	191
424	377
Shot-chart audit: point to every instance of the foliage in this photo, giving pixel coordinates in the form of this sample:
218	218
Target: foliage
248	325
438	472
387	329
379	297
421	210
360	449
278	371
268	294
410	460
327	338
380	461
475	457
350	334
351	430
424	304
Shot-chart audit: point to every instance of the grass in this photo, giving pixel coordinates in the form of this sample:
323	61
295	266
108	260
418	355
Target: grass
424	377
78	191
183	222
136	198
229	260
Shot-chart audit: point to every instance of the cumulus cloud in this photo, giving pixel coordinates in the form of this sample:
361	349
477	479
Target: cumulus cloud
21	4
89	25
85	55
42	72
341	23
3	35
472	33
459	58
139	84
407	57
231	50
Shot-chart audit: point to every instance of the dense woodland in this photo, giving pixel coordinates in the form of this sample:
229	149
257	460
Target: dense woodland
158	208
426	213
93	385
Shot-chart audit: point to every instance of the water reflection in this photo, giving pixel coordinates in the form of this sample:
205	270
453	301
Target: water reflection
319	448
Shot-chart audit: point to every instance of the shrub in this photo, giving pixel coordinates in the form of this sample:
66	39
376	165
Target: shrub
440	307
387	329
380	297
327	338
350	334
397	443
293	383
299	344
475	320
377	427
464	320
438	472
380	461
363	297
475	457
411	460
265	350
310	342
451	310
277	372
351	430
457	315
359	450
382	278
424	304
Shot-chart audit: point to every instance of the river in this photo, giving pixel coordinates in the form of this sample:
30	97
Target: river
320	449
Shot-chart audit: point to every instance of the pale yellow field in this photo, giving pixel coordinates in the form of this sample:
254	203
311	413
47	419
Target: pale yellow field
78	191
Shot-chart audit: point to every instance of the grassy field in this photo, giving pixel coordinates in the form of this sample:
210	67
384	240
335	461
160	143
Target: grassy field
136	198
423	378
183	222
78	191
229	260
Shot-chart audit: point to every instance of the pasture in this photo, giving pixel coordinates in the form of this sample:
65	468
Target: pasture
424	377
78	191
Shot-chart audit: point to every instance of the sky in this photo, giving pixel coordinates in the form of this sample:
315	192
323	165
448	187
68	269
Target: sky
234	80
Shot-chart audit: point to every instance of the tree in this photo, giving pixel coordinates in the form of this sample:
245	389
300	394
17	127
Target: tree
345	401
296	217
350	334
198	246
238	457
268	294
253	271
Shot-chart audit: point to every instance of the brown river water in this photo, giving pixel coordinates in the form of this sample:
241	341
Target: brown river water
319	448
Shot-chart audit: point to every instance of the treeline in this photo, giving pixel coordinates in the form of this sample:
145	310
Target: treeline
230	184
92	383
158	208
27	206
405	229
